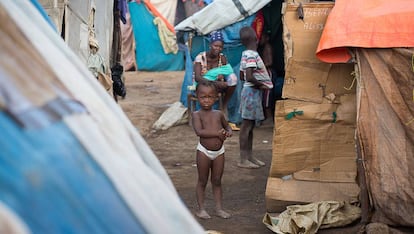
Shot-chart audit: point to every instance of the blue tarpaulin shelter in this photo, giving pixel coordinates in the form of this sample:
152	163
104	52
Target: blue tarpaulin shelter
71	161
150	55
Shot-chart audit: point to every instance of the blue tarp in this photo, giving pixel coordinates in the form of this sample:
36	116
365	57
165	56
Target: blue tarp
43	13
70	160
149	52
68	192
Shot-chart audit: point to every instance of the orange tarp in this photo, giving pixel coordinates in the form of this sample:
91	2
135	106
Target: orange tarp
367	24
156	13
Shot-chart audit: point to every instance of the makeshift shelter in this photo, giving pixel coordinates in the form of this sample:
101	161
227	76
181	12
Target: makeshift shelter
76	20
156	48
313	156
229	17
372	115
379	39
70	159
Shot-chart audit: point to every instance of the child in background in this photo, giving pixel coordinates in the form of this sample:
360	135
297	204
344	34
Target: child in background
212	128
256	79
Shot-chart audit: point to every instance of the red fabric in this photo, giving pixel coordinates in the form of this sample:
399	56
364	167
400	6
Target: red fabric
258	24
367	24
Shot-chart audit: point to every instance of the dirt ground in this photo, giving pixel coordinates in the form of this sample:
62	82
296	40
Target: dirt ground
149	94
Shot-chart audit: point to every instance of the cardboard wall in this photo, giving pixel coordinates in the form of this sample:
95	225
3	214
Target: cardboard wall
317	143
306	77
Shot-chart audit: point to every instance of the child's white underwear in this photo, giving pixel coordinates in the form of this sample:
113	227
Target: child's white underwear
211	154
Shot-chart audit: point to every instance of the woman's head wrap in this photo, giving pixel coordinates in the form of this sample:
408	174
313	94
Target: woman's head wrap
216	36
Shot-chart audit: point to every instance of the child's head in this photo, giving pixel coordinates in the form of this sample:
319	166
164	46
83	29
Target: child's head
206	93
247	35
204	85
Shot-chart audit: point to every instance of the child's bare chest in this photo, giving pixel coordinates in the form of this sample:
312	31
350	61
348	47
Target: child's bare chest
211	121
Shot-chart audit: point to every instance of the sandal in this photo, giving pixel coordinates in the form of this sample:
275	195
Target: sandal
234	127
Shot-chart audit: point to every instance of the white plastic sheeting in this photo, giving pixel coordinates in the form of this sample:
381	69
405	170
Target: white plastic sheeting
219	14
74	16
104	131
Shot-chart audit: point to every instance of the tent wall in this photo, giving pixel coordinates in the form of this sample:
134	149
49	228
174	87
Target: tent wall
71	161
150	55
72	20
166	8
55	10
205	21
386	132
379	36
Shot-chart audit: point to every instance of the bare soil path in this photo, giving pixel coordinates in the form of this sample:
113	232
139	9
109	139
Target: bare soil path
149	94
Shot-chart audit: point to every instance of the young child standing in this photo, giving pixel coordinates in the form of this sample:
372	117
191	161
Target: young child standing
256	79
212	128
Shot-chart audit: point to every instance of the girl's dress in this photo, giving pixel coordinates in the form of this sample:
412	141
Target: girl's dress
251	107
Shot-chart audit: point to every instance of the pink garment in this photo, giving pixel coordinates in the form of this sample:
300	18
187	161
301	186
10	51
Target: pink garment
128	45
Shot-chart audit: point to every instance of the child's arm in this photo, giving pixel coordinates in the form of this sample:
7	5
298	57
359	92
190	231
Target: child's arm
250	78
228	131
241	75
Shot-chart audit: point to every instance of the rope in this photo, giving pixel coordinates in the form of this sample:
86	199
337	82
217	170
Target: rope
353	82
409	122
293	114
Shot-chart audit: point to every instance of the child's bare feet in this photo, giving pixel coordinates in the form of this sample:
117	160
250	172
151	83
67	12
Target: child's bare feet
247	164
223	214
202	214
257	162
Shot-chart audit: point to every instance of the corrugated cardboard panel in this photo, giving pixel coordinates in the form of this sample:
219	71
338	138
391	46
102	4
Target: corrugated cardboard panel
307	78
330	171
316	139
340	80
281	193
